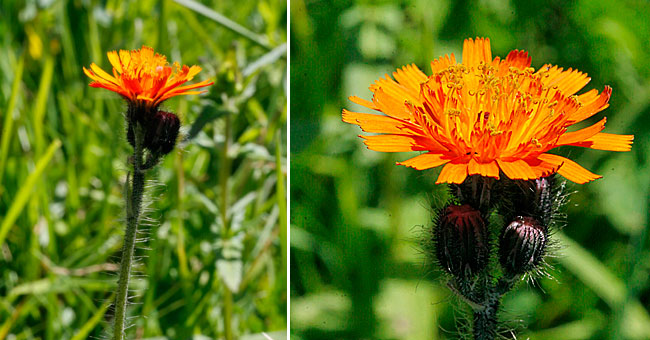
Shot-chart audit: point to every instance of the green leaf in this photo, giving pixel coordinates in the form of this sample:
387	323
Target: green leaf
229	264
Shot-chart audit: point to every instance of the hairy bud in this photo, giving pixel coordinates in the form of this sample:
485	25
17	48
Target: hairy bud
522	245
537	199
461	238
161	132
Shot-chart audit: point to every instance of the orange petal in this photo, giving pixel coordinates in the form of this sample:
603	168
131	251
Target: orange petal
101	73
581	135
410	76
114	58
399	92
541	169
125	58
588	96
90	74
170	91
194	70
391	105
517	169
204	83
397	143
591	108
569	169
475	51
380	123
109	87
425	161
489	169
143	97
442	63
568	82
363	102
453	173
607	141
518	59
174	94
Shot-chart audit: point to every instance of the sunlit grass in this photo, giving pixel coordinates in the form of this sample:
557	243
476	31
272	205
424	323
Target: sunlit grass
63	171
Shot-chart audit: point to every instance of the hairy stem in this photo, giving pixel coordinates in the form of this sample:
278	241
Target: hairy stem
483	296
135	189
485	320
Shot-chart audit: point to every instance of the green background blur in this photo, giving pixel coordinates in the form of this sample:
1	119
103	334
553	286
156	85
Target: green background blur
357	271
216	229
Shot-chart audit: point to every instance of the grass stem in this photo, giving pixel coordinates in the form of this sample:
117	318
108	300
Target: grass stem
225	172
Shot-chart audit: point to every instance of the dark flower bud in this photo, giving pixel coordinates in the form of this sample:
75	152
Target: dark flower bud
537	199
522	245
461	238
161	132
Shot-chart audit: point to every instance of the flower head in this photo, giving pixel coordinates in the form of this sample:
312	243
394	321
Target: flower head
144	78
485	116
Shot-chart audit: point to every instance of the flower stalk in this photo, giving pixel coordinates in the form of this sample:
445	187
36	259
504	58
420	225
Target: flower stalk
485	320
145	80
135	191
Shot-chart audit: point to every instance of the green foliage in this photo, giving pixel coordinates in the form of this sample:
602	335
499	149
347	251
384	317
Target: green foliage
212	253
356	264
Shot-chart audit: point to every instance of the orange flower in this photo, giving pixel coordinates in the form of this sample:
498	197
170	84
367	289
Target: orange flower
485	116
143	77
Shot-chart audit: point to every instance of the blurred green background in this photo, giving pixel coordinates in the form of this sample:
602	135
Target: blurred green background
213	257
357	271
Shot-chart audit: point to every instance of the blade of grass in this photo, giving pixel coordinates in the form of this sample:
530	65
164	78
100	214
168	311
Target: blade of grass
606	285
94	320
26	190
6	326
8	125
198	29
225	22
41	102
282	202
268	58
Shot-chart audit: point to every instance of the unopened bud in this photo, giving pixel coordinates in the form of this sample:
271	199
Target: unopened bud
461	239
522	245
161	132
536	199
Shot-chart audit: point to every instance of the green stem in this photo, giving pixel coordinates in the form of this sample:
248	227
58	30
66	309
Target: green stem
225	172
485	320
133	206
227	315
484	296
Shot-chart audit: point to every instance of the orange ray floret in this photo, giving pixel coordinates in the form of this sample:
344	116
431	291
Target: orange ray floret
486	116
142	76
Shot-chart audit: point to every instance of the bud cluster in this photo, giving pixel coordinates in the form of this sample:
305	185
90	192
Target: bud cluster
462	237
